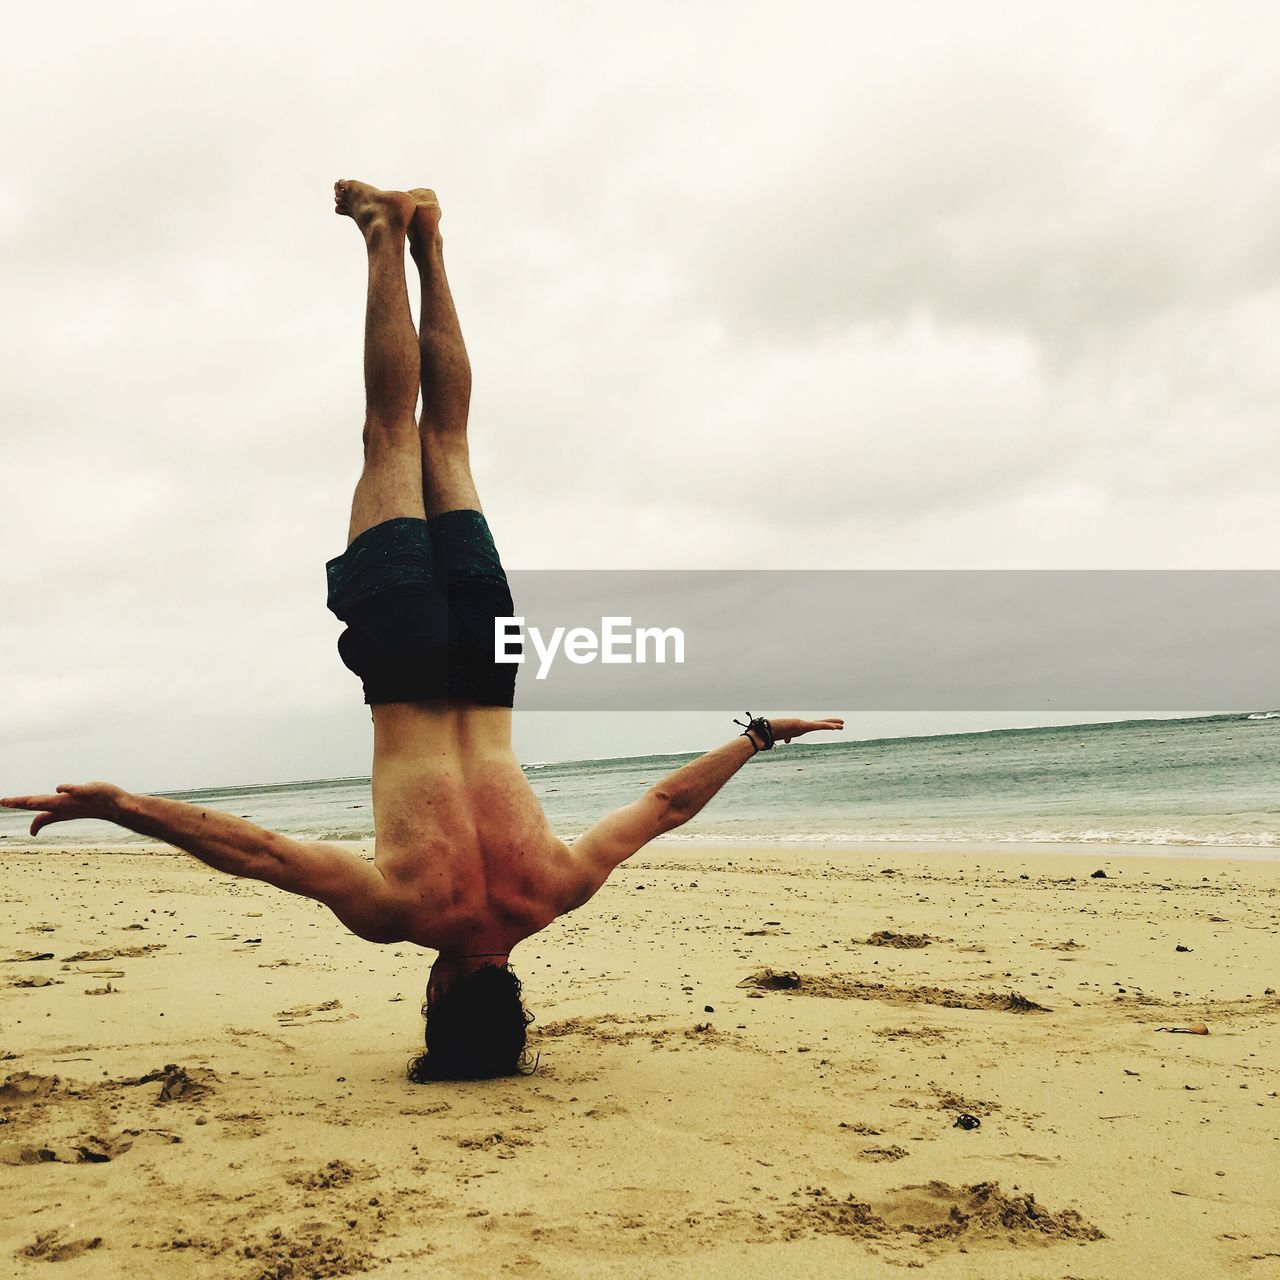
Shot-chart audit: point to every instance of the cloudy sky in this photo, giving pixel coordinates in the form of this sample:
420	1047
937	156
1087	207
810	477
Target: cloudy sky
819	285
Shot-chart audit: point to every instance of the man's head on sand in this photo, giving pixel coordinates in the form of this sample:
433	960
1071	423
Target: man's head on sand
476	1025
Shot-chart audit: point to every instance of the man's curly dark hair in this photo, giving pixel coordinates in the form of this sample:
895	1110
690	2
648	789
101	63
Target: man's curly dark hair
475	1030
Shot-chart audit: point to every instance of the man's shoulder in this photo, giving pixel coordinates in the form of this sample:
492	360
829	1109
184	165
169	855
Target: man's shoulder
539	875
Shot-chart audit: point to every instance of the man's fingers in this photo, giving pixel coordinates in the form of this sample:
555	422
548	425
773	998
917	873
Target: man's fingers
31	802
44	819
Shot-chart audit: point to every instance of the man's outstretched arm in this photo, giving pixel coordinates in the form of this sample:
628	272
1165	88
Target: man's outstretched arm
354	890
671	803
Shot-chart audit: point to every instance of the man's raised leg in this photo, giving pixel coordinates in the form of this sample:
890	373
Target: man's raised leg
446	371
391	483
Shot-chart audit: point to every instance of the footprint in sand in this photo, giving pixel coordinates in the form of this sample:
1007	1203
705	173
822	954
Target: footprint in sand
839	986
860	1127
501	1145
84	1149
50	1248
928	1035
337	1173
115	953
306	1012
604	1110
23	1087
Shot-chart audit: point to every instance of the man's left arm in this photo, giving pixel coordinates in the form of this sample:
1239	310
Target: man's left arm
672	802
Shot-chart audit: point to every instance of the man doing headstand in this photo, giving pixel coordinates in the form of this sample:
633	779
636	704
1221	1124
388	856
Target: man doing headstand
465	861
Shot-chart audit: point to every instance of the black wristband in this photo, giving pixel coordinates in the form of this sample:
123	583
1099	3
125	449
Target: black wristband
759	725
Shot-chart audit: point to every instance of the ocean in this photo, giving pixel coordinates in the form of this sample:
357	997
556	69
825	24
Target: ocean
1203	783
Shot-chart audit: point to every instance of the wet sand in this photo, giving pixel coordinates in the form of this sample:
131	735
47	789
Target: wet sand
206	1077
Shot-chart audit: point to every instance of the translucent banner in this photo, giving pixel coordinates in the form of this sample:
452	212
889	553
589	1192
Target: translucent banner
894	640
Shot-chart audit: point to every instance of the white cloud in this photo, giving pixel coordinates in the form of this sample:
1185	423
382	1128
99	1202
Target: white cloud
867	285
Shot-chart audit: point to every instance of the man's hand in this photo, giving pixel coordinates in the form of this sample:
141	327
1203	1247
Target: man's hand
84	800
787	727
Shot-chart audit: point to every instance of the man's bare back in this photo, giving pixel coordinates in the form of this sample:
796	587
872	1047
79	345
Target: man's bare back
465	861
461	838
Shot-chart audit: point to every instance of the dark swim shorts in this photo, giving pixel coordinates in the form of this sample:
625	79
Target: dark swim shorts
419	598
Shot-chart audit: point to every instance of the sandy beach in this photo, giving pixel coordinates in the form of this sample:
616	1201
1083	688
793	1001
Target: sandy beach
753	1061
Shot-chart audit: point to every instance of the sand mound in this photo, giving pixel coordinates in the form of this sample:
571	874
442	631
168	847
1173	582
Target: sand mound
182	1085
939	1211
774	980
838	986
887	938
1020	1004
949	1100
315	1257
177	1084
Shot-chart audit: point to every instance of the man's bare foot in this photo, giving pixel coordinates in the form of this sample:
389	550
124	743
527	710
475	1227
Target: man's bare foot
373	209
424	226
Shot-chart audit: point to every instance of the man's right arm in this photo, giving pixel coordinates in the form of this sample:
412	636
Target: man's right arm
352	888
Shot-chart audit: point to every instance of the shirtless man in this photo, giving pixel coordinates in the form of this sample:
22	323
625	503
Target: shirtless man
465	862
